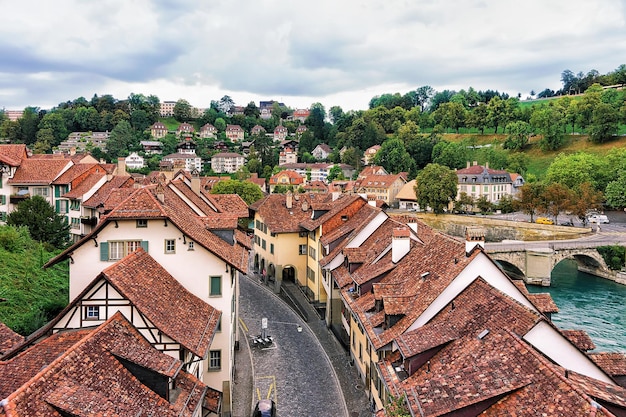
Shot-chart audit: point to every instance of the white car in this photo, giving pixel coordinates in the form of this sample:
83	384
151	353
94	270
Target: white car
597	218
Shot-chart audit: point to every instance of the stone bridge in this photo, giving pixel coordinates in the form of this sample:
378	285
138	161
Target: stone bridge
534	263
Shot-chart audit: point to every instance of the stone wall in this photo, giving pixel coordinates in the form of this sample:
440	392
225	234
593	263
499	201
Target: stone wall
497	230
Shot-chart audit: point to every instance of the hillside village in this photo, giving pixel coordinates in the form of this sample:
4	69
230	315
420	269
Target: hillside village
153	312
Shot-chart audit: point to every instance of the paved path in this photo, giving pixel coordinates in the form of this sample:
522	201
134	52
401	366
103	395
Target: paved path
295	371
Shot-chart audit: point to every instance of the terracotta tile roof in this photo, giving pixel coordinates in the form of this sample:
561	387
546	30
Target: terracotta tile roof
100	197
230	203
613	363
88	377
293	178
600	391
145	203
75	172
346	205
543	302
479	169
39	171
82	188
439	256
12	155
580	339
8	339
189	320
279	219
498	374
378	181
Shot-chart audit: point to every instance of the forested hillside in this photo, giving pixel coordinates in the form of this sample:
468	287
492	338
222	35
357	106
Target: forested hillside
29	295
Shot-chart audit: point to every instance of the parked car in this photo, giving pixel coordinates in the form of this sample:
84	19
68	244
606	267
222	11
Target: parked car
544	220
597	218
568	223
265	408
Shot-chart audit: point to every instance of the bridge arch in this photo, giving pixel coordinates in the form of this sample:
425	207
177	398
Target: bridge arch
589	261
511	269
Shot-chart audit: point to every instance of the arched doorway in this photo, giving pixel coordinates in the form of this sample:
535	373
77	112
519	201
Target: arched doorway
289	274
256	262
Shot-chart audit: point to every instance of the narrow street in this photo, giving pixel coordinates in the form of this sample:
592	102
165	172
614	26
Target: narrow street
293	370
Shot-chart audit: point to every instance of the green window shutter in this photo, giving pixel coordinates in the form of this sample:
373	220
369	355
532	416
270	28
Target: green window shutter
3	199
104	251
57	192
144	245
57	206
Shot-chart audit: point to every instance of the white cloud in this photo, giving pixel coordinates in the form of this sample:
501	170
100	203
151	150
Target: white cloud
333	52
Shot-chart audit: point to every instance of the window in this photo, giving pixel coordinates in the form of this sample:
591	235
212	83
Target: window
312	252
92	313
3	199
263	243
61	206
170	246
302	249
142	222
310	274
3	216
215	360
271	248
190	246
75	205
116	250
41	191
75	223
215	283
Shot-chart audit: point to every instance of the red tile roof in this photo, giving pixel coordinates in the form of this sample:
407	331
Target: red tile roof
39	171
613	363
165	202
8	339
12	155
580	339
190	321
88	377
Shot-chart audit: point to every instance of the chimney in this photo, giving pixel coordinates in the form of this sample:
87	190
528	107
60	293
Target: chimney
400	243
468	164
474	236
195	182
160	192
121	166
289	200
487	165
475	163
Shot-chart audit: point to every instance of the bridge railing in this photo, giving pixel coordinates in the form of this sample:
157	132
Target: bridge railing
520	247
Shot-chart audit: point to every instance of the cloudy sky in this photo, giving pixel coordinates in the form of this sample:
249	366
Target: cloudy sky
337	52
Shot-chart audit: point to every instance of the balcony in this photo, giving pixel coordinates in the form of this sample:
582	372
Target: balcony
90	221
19	197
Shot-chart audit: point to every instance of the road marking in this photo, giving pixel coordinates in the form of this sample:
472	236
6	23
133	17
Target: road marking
262	384
245	328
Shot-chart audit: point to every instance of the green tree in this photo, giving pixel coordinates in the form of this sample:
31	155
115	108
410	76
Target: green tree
615	192
604	123
585	198
248	191
435	187
140	120
548	121
397	407
55	122
183	111
478	118
220	124
518	134
44	139
497	112
483	204
465	202
557	199
120	141
575	169
530	199
393	156
450	115
450	154
335	173
43	223
86	119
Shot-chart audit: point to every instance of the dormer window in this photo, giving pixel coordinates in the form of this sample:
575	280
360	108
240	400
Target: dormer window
142	223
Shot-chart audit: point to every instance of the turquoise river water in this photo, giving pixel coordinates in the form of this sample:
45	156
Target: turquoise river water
590	303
